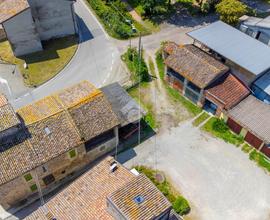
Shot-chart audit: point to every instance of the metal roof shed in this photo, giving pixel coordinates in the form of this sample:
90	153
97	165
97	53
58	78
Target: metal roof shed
234	45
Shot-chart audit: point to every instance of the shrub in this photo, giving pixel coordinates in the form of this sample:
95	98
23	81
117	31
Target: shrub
231	10
181	206
220	126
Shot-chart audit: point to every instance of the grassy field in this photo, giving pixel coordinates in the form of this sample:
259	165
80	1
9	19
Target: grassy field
200	119
246	148
45	64
219	129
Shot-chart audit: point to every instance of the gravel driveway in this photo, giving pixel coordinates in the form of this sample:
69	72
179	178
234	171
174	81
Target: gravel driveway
217	178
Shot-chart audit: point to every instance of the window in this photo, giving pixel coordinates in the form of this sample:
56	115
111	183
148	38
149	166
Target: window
48	179
91	144
33	187
72	153
28	177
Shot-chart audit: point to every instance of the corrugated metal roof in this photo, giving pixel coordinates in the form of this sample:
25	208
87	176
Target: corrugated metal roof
254	115
234	45
264	83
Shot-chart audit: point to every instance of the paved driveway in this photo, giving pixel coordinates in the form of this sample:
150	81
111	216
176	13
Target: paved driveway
217	178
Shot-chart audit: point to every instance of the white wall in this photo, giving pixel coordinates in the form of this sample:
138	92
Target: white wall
53	18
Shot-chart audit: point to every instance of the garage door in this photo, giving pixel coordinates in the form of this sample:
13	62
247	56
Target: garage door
253	140
234	126
266	150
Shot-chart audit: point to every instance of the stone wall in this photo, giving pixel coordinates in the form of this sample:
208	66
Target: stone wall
22	34
63	168
53	18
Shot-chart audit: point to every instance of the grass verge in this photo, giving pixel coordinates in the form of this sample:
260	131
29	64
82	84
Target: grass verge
219	129
246	148
200	119
179	203
175	95
260	159
45	64
149	118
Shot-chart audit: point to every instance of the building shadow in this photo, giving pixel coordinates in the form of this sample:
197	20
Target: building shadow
84	32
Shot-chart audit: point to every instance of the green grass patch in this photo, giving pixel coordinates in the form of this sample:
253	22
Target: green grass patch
260	159
246	148
42	65
175	95
179	203
149	118
218	128
151	66
136	65
200	119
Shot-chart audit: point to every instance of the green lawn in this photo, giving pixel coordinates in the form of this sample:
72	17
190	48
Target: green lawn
174	94
219	129
45	64
200	119
260	159
179	203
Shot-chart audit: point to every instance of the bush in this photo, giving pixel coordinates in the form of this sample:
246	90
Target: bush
112	19
136	66
220	126
231	10
181	206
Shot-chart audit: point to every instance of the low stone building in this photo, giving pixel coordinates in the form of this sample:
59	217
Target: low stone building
107	191
27	23
190	70
251	119
49	141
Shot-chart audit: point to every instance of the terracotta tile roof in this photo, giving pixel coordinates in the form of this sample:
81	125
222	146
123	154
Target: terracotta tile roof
228	90
31	147
94	118
154	202
40	110
195	65
254	115
8	117
16	156
53	136
85	198
3	100
74	95
54	127
170	47
9	8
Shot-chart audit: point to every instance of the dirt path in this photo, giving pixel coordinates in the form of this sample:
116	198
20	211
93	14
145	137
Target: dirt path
168	113
133	13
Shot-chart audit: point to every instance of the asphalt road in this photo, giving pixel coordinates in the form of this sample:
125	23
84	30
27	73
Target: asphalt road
94	60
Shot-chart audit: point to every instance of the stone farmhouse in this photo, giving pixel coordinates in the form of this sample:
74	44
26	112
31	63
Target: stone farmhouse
106	193
27	23
49	141
228	74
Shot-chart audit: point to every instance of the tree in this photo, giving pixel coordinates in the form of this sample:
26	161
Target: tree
231	10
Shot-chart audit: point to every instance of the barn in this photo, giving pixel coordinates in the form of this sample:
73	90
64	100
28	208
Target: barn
251	119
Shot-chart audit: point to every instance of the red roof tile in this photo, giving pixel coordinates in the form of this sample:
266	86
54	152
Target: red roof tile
227	90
